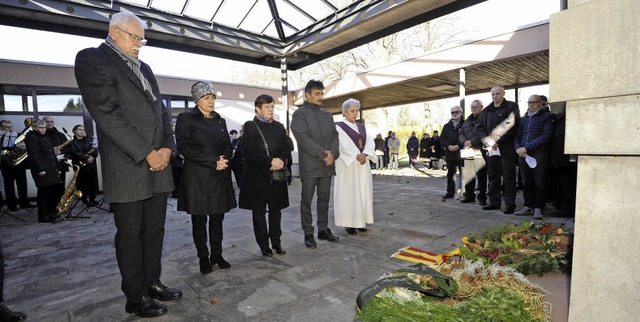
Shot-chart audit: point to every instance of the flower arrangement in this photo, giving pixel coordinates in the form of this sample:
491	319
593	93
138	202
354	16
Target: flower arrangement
527	248
483	293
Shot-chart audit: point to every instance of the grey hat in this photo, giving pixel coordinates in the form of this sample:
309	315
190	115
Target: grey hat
200	89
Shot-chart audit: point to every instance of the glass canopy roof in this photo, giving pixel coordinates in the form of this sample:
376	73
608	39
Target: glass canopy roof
279	19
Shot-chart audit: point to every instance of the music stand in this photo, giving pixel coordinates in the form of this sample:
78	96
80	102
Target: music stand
70	215
97	205
5	211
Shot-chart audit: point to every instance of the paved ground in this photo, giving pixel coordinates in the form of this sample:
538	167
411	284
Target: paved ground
68	271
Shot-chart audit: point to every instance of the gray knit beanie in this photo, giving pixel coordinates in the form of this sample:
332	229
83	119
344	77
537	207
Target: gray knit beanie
200	89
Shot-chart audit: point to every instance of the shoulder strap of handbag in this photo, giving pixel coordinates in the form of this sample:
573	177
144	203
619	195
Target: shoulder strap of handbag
266	146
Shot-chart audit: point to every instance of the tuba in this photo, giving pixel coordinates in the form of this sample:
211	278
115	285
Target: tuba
70	193
16	156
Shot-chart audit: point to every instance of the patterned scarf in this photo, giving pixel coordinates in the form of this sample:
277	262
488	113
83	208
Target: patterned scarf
133	63
263	119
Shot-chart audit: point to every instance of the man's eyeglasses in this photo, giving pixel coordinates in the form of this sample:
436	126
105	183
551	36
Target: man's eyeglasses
533	102
133	37
456	112
41	127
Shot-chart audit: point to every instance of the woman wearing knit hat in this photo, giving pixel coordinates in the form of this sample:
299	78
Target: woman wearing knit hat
206	191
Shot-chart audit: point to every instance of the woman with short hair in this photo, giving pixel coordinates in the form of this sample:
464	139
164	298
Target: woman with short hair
265	149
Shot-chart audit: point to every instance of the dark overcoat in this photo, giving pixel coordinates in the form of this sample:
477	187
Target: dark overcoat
203	189
57	138
257	189
130	122
42	158
451	136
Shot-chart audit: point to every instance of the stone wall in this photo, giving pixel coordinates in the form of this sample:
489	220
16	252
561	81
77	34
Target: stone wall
594	68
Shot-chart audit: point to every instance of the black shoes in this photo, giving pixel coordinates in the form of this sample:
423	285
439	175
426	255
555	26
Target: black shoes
468	200
327	235
482	202
219	260
267	251
205	266
350	231
509	210
50	218
310	242
146	308
163	293
27	205
364	230
6	315
447	196
490	207
279	250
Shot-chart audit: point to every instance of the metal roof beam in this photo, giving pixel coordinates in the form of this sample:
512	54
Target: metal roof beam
304	13
276	18
91	18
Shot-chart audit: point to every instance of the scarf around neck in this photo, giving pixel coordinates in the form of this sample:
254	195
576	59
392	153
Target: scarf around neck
133	63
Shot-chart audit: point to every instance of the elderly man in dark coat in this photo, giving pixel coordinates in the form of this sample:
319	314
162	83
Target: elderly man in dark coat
497	124
450	141
476	167
122	96
317	138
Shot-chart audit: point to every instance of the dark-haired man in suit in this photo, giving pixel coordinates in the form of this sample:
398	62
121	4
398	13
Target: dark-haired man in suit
121	93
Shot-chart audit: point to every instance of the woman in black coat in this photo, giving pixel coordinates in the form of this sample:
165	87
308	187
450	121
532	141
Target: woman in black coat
84	154
44	170
205	189
257	191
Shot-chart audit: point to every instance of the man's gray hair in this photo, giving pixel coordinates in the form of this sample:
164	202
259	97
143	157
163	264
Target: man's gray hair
352	102
456	107
477	101
121	19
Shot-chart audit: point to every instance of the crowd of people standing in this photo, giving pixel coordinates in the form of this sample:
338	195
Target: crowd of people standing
138	143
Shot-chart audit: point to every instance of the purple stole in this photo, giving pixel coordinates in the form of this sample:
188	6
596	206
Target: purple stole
359	139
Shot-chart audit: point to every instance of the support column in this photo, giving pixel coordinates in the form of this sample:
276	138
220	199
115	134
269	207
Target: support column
462	90
594	59
284	81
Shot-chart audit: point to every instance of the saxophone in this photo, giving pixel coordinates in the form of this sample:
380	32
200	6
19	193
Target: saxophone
59	147
70	193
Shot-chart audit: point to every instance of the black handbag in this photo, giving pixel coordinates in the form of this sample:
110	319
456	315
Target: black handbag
277	176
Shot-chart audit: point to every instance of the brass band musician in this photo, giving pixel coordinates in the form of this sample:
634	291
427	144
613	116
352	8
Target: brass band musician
58	138
84	154
44	170
11	173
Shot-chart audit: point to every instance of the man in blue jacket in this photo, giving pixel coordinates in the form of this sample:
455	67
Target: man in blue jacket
531	144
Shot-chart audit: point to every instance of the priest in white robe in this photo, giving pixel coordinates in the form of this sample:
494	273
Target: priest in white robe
353	184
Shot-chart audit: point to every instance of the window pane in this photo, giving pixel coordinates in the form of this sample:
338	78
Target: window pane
168	5
60	103
13	103
202	9
178	106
